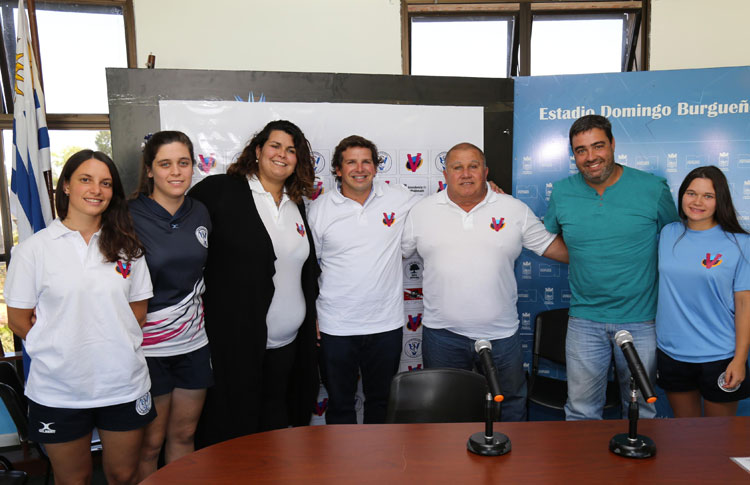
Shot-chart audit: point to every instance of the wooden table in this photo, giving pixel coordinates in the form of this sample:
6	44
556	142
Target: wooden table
688	451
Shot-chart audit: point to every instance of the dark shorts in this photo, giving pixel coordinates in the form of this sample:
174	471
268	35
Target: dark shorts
186	371
60	425
678	376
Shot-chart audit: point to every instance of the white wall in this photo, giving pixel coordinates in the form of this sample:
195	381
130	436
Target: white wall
699	33
356	36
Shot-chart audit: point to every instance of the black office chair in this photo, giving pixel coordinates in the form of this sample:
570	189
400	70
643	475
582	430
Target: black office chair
551	328
437	396
11	393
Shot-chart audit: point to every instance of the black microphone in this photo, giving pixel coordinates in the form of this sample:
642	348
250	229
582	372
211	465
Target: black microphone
625	342
484	349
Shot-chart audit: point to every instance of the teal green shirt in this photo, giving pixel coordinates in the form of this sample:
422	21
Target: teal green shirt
612	243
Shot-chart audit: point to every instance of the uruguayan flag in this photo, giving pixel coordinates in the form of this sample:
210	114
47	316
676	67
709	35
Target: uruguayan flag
31	155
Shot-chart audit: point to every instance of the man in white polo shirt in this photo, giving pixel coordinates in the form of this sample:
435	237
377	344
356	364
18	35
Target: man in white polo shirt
470	238
357	231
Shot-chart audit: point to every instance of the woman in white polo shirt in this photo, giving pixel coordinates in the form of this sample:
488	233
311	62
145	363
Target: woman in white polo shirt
261	285
77	292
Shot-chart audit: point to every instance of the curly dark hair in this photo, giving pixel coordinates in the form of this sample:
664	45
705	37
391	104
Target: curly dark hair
118	239
297	185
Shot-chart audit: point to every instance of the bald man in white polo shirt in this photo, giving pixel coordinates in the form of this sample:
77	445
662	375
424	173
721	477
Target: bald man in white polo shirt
357	229
470	238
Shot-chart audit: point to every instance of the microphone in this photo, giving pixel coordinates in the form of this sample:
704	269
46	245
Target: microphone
625	342
484	349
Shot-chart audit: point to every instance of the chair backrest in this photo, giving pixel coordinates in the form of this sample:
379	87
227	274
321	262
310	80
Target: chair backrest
16	410
9	375
550	330
437	396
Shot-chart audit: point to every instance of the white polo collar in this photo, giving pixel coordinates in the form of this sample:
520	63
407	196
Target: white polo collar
489	197
375	191
57	229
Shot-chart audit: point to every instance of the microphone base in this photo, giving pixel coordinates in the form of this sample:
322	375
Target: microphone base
641	447
498	445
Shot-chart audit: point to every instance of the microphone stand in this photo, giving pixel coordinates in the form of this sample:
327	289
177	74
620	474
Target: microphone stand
632	444
488	443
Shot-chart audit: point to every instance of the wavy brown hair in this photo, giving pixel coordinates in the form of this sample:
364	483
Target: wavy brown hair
118	239
299	183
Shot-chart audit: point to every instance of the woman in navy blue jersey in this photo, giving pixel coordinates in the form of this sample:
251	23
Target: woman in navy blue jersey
174	230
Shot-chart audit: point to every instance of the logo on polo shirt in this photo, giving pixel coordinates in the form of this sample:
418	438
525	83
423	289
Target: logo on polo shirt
497	224
388	220
206	163
415	367
413	163
201	234
123	268
709	263
301	229
441	186
143	404
321	406
46	428
317	190
414	322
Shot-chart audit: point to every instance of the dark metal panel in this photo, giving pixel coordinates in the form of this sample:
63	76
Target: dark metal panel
134	96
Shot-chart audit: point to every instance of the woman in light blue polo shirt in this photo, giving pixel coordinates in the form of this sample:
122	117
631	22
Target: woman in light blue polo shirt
703	316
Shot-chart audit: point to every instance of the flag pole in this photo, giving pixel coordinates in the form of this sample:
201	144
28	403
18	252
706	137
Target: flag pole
35	47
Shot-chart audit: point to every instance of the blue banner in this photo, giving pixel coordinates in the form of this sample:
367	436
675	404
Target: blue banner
664	122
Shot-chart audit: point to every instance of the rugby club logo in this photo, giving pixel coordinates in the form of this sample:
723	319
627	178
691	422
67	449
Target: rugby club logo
414	322
319	162
497	224
123	268
413	162
388	220
301	229
709	263
321	406
206	163
317	190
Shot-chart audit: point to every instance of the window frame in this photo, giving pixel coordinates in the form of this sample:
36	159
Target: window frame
635	34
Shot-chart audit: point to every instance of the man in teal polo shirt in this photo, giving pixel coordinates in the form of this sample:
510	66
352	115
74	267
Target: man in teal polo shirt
610	217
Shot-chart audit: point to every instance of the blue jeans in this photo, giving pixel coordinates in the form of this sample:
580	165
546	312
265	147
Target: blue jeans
342	358
589	349
443	348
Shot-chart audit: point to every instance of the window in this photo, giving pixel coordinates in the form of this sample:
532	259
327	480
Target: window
461	46
77	40
494	38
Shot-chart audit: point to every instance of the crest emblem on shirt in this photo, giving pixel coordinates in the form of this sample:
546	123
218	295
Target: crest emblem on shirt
201	234
301	229
497	224
709	263
413	162
143	404
123	268
388	220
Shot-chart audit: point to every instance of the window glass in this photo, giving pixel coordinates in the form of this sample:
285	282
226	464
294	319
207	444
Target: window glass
569	45
77	42
460	46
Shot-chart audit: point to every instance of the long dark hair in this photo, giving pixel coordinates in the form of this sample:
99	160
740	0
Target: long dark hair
118	239
154	143
725	214
299	183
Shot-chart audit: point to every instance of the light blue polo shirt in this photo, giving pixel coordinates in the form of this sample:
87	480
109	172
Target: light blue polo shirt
612	243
